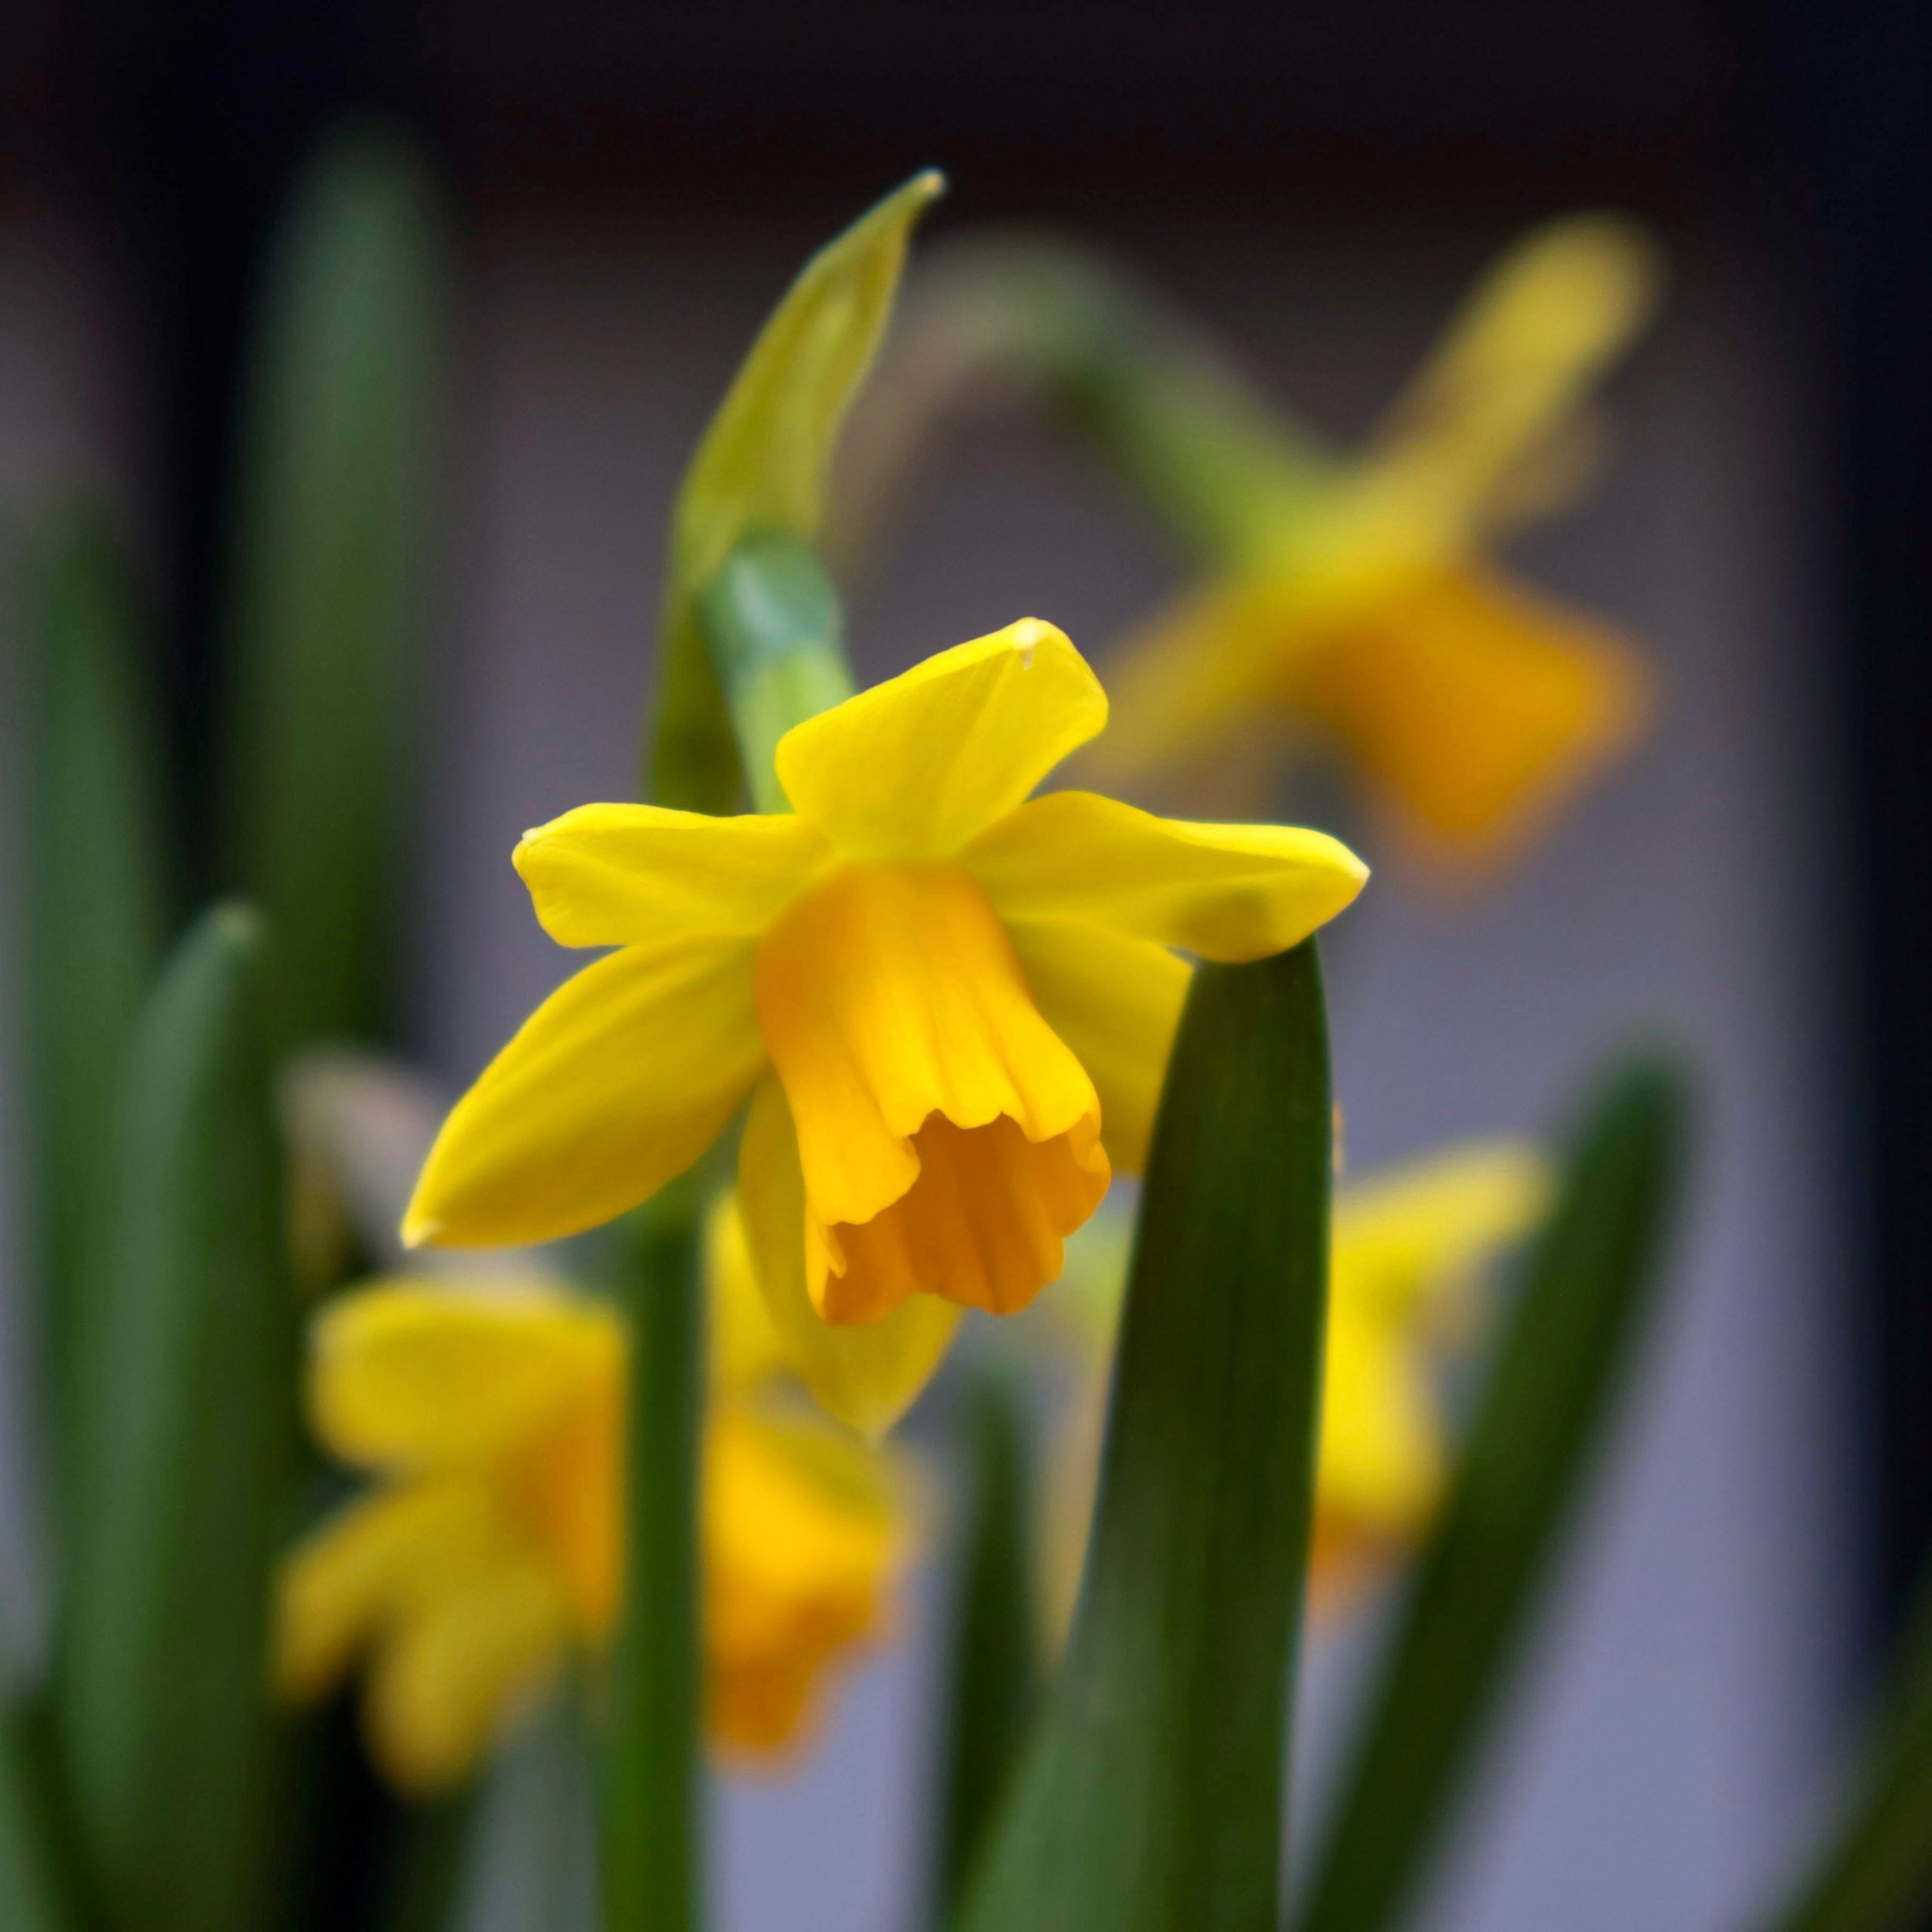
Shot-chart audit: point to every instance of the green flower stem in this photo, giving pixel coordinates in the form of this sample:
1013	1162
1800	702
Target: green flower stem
994	1669
652	1773
776	637
1216	460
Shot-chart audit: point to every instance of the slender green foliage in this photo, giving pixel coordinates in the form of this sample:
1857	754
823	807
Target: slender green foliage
332	542
994	1676
96	865
185	1367
34	1886
1873	1871
1153	1796
1588	1285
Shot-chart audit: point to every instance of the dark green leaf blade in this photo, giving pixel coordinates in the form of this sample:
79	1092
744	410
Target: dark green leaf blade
993	1676
1153	1797
1873	1873
34	1893
761	471
185	1365
333	541
97	876
1588	1285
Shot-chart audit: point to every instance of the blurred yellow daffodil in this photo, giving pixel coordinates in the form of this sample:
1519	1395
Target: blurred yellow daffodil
487	1552
940	994
1362	612
1406	1247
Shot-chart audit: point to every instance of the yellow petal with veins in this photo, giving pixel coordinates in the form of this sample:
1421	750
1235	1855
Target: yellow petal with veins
617	1082
1115	1002
868	1375
1233	893
637	875
948	1137
414	1376
916	766
1473	706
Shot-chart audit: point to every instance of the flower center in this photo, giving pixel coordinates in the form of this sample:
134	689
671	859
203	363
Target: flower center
948	1138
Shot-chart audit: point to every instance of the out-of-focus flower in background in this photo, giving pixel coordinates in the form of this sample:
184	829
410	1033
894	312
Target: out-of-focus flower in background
486	1553
1360	609
1410	1247
941	991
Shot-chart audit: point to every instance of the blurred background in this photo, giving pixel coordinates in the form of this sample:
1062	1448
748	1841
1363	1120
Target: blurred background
628	190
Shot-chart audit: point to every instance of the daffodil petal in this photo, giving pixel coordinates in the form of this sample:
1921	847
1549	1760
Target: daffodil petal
1199	673
1474	706
1380	1459
413	1375
1405	1240
746	1351
869	1376
1228	892
453	1677
636	875
914	767
1115	1002
798	1554
345	1582
617	1082
1534	338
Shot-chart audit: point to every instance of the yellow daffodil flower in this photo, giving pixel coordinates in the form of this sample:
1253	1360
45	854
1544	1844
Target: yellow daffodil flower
1406	1247
950	1003
1363	612
487	1551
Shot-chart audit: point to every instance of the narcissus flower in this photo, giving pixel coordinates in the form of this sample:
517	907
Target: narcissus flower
487	1551
950	1004
1406	1247
1362	612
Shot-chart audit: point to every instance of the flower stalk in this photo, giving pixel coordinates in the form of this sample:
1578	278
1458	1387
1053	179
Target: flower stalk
651	1839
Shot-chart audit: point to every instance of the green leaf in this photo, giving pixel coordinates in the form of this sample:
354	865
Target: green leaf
992	1686
1587	1288
185	1365
96	878
760	470
652	1769
1873	1873
333	527
34	1893
1153	1795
